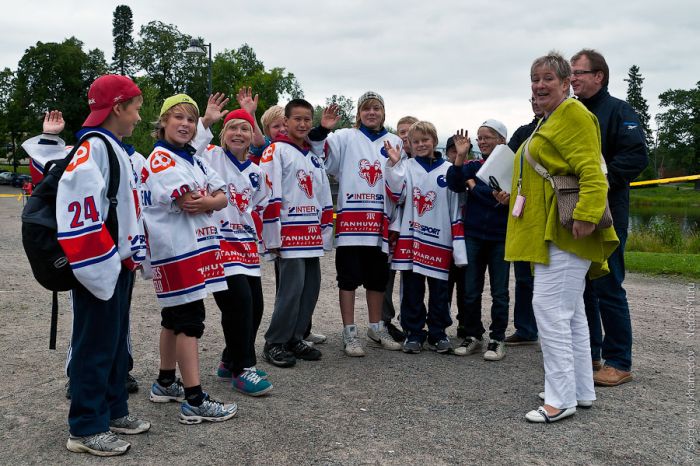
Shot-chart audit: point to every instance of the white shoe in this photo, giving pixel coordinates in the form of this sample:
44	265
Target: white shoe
315	338
540	415
585	404
470	345
495	351
351	344
383	338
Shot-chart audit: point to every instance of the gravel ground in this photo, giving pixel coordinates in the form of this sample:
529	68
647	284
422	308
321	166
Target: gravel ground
386	408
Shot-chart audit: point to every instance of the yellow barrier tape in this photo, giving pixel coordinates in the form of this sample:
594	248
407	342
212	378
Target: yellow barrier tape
678	179
16	196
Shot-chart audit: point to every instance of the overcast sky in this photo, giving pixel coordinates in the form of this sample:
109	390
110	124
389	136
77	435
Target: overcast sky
454	63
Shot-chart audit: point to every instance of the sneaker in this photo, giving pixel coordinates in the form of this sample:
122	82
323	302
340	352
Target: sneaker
516	340
316	338
351	344
250	383
278	355
495	351
174	392
609	376
412	346
301	350
395	332
585	404
383	338
225	375
104	444
128	425
132	385
441	346
210	410
67	387
469	345
540	415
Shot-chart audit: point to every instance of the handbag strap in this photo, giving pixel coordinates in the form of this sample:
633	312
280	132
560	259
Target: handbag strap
537	166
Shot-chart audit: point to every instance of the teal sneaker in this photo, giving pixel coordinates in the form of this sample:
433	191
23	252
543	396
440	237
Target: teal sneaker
250	383
224	374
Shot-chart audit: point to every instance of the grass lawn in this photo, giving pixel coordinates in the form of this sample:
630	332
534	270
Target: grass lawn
685	265
681	194
21	169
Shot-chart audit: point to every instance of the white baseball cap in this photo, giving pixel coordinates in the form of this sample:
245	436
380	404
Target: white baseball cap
497	126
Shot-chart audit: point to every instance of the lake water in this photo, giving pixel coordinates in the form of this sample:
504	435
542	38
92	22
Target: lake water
687	218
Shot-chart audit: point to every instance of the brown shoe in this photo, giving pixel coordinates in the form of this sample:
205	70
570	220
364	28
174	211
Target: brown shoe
515	340
597	365
608	376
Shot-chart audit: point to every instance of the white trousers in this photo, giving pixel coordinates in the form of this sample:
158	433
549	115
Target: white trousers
563	329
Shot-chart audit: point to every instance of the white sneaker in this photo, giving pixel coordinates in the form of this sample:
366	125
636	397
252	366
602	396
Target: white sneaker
316	338
383	338
351	344
495	351
470	345
585	404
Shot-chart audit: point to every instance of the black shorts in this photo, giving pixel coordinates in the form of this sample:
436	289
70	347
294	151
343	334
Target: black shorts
361	265
185	318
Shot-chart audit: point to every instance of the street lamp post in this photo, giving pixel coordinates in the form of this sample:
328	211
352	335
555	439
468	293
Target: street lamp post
197	48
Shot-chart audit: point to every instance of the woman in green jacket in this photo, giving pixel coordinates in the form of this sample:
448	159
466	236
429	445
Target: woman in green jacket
567	142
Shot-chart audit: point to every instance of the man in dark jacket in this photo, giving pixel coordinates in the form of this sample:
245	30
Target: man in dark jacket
625	154
523	315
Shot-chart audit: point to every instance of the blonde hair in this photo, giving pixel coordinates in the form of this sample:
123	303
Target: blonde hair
271	114
367	102
231	122
407	120
159	125
424	127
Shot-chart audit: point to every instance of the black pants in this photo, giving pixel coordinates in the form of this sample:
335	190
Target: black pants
241	311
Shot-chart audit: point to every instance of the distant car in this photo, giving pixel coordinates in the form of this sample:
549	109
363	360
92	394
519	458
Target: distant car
6	177
19	180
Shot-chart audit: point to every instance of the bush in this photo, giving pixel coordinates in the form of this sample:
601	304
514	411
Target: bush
661	235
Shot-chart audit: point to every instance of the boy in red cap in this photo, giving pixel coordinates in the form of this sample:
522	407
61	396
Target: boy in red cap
104	267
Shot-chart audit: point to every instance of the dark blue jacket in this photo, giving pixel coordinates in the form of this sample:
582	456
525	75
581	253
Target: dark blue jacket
623	147
484	217
521	134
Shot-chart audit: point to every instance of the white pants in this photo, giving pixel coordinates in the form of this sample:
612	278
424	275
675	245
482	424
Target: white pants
563	329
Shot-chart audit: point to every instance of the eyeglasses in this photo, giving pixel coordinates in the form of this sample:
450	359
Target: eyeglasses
580	72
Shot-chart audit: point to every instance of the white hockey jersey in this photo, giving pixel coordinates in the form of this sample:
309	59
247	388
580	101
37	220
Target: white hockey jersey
81	209
240	222
357	158
185	248
431	229
299	217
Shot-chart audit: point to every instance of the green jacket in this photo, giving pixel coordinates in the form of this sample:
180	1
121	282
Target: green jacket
566	143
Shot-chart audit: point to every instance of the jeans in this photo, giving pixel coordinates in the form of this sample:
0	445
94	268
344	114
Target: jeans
523	315
413	313
561	318
606	301
483	254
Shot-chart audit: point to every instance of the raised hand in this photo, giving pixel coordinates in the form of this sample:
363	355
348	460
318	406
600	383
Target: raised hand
394	153
246	100
215	109
330	116
53	122
462	143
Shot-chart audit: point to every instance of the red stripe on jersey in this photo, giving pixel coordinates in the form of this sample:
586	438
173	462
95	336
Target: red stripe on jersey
37	176
359	222
327	216
88	246
301	236
130	264
187	273
257	221
272	211
457	229
239	252
420	253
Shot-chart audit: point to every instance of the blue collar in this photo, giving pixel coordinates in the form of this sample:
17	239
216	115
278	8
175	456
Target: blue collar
98	129
371	134
185	152
429	163
240	165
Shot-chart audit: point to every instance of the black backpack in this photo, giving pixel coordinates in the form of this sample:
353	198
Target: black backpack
39	231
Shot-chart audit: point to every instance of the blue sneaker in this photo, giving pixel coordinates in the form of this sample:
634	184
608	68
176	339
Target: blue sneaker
174	392
210	410
223	373
250	383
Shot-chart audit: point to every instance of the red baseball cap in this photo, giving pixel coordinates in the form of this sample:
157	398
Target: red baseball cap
105	92
240	114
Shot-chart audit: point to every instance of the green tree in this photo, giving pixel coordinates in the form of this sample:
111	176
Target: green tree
346	109
638	102
679	129
122	30
7	82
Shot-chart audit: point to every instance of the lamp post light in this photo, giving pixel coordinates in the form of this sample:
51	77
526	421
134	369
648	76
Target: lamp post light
197	47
